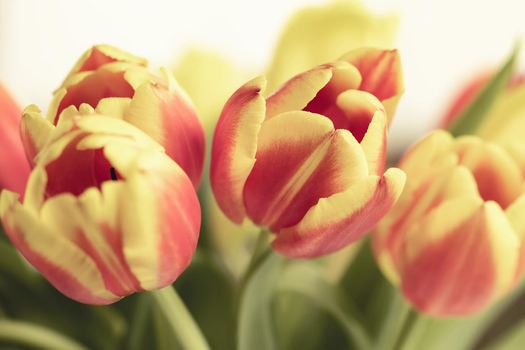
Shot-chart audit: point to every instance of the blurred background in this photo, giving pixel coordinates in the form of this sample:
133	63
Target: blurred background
442	42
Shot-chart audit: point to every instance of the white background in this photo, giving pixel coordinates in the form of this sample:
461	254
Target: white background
441	41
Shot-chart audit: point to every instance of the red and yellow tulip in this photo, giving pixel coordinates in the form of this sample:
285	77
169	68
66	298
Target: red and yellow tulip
454	240
106	212
307	162
15	167
118	84
504	122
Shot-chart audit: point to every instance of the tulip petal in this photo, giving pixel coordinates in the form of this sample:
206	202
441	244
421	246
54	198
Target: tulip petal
315	161
80	221
35	132
516	218
381	73
100	55
90	89
433	153
15	167
314	90
497	175
62	262
342	218
374	143
160	219
169	118
415	203
472	255
115	107
235	145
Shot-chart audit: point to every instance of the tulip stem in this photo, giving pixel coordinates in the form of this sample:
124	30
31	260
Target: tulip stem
184	327
260	253
34	336
394	323
412	337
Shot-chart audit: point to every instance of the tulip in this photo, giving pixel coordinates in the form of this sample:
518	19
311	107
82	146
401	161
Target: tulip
119	84
470	91
106	212
307	162
453	242
504	122
15	168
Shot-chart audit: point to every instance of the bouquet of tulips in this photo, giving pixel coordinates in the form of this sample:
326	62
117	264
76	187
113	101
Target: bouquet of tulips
295	234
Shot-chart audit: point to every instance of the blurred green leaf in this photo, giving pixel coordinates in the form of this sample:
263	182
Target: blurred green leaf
255	327
209	293
33	336
307	280
363	281
140	334
512	340
471	118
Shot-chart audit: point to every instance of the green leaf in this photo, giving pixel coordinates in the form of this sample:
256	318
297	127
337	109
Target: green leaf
462	333
33	336
208	291
255	325
140	334
307	280
512	340
473	115
363	281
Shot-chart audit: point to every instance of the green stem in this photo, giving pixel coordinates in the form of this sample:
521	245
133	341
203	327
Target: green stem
35	336
141	316
260	253
412	338
394	323
184	327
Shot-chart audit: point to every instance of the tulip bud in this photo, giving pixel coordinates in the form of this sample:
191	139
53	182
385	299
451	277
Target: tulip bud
118	84
453	240
106	212
15	168
307	162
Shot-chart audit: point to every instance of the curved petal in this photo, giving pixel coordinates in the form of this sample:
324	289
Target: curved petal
234	146
15	167
99	55
374	143
58	258
434	151
459	265
497	175
294	170
357	110
159	218
516	218
342	218
314	90
414	205
35	132
169	117
382	75
92	88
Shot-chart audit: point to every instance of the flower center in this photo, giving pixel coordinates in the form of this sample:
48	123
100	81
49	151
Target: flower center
77	170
